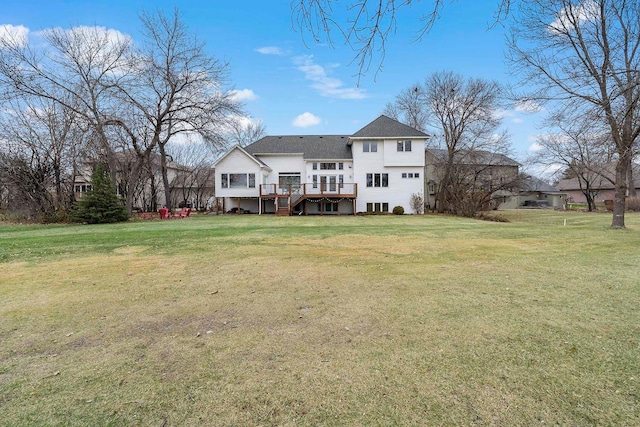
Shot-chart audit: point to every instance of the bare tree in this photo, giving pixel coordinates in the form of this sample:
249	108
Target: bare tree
43	142
409	108
368	24
461	116
581	148
586	57
195	179
179	88
244	131
132	100
464	114
76	68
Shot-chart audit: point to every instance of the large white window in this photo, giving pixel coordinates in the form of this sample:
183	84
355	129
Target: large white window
238	180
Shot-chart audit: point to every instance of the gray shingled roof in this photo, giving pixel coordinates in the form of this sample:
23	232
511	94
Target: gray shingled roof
531	183
330	147
385	127
476	157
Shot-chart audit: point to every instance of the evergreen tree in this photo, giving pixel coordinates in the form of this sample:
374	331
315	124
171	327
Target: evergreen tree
101	204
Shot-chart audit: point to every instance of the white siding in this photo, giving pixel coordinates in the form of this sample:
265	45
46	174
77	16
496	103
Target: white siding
237	162
280	164
393	157
388	160
346	172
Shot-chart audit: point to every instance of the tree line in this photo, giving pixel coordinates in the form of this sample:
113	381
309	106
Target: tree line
84	96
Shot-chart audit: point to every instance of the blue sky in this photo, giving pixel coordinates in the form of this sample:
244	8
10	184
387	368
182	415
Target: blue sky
305	88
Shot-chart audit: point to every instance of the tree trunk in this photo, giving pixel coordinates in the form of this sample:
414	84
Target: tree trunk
165	177
630	183
619	200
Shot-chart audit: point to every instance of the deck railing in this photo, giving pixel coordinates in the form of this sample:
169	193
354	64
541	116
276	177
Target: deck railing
299	191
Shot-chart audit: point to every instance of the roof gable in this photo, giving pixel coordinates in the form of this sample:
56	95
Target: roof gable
243	151
386	127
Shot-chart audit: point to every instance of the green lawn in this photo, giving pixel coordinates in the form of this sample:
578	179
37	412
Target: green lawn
355	321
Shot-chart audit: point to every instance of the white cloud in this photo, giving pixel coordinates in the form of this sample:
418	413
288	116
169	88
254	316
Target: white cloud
244	95
246	121
527	106
516	120
322	82
271	50
14	35
572	16
535	147
305	120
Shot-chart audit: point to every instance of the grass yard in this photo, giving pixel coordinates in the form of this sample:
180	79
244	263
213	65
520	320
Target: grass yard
310	321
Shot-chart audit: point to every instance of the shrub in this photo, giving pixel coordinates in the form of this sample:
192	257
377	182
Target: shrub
417	203
398	210
491	217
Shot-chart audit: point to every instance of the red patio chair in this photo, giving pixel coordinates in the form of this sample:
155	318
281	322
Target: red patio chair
185	214
164	213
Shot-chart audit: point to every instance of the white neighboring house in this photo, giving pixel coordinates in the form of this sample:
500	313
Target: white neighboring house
375	169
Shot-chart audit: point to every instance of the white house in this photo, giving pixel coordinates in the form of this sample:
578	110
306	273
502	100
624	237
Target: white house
375	169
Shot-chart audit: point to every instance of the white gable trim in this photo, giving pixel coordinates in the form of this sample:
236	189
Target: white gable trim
243	151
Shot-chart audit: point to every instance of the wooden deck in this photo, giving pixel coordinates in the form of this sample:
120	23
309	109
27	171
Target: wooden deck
287	197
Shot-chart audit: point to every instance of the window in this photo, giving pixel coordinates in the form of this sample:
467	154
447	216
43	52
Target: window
289	180
315	166
327	166
238	180
315	181
329	207
377	180
341	180
83	188
341	166
411	175
377	207
370	146
404	145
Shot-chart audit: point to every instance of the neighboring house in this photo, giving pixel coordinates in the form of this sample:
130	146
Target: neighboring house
600	185
188	187
375	169
481	171
535	192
